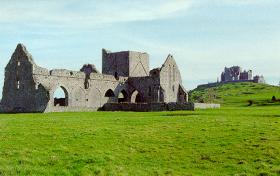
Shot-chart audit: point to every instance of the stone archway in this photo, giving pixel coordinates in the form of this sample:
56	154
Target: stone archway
61	96
110	95
136	97
123	96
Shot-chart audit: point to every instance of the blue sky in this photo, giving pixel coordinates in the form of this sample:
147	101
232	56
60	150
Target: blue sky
203	35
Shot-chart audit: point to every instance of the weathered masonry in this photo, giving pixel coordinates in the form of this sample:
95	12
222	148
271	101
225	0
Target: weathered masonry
125	78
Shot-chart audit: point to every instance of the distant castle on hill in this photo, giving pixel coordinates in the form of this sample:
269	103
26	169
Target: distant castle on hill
236	74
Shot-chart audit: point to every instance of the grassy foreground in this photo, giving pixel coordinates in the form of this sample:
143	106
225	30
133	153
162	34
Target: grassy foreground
232	141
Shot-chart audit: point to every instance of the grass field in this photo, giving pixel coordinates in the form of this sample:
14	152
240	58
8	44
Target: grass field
238	94
227	141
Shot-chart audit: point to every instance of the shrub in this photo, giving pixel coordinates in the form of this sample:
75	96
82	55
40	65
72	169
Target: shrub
250	102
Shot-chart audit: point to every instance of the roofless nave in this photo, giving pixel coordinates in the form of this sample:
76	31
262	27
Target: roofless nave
126	77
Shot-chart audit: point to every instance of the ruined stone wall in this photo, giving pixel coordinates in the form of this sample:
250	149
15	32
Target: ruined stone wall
147	87
170	79
146	107
30	88
259	79
116	64
206	106
232	73
92	97
209	85
246	75
19	90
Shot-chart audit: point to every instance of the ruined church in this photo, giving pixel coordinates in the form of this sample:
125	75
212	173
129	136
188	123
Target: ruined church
125	79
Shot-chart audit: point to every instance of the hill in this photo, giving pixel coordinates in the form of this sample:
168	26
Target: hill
238	94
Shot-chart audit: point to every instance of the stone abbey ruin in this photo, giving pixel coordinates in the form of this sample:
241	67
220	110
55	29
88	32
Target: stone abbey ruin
126	83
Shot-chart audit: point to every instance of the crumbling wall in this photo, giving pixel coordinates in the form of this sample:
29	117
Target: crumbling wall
206	106
20	93
170	80
147	107
92	96
148	88
116	64
30	88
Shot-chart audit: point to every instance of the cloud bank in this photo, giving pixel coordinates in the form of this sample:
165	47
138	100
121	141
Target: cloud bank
91	13
203	35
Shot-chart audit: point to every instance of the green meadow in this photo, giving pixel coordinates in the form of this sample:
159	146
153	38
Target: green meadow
241	138
238	94
226	141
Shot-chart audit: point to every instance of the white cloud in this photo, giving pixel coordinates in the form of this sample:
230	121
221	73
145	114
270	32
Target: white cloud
46	25
91	13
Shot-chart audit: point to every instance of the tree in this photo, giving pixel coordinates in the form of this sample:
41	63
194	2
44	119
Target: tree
211	95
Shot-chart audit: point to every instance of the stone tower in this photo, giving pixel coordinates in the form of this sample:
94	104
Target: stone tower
125	63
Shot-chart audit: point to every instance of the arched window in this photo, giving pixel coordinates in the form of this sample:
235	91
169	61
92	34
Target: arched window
136	97
122	97
109	93
60	97
18	84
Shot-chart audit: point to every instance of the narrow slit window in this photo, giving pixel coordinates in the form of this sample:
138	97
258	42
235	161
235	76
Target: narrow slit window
18	84
18	63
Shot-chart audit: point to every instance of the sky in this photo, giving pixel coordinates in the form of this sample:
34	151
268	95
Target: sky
204	36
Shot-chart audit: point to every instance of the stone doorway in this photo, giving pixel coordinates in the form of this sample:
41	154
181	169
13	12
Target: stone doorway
60	97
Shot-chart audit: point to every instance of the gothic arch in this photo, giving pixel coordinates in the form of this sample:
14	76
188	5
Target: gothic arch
136	97
60	100
122	96
109	93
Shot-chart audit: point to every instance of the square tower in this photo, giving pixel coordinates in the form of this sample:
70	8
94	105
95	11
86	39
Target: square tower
125	63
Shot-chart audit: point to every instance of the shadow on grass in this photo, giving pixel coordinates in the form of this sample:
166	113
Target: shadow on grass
179	114
271	116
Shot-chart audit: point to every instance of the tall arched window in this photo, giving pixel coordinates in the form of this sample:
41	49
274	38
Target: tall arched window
60	97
